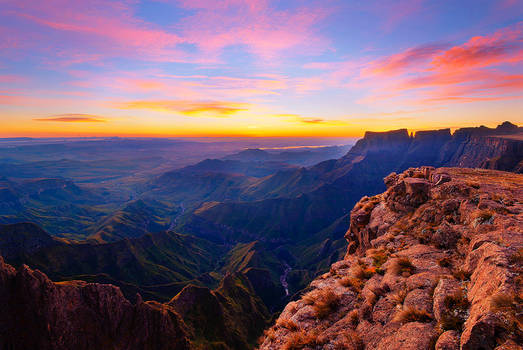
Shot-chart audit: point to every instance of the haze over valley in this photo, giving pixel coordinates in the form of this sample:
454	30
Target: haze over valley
261	174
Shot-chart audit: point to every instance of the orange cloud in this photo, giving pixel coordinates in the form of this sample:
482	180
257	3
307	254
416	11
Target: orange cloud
73	118
481	69
190	108
309	121
325	122
504	46
400	62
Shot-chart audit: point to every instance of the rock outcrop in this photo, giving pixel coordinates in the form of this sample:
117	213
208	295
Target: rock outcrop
40	314
37	313
498	148
433	262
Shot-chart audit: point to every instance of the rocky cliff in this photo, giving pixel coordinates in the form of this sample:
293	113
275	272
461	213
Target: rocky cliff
433	262
499	148
39	314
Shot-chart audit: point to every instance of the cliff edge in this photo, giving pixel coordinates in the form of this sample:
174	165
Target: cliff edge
40	314
433	262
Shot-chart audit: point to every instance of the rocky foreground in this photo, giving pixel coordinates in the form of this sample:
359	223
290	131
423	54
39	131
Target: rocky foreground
37	313
435	261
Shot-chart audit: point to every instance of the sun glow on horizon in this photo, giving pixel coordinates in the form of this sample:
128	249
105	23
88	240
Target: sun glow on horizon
186	68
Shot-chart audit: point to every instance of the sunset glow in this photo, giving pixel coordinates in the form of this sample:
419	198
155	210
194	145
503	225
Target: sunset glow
257	67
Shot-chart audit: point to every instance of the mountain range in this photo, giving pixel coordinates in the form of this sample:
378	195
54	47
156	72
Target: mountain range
216	247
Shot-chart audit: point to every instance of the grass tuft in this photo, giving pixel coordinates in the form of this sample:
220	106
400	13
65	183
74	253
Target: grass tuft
287	324
399	297
323	301
483	216
301	339
457	306
412	314
517	257
378	256
461	274
403	266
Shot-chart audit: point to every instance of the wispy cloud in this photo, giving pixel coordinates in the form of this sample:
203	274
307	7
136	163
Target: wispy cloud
296	118
321	121
478	70
109	29
403	61
11	78
105	28
504	46
73	118
189	108
256	24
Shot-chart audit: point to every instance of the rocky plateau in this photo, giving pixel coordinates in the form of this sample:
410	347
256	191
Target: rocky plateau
434	262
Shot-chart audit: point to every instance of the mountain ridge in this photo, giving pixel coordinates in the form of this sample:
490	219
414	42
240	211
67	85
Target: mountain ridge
430	264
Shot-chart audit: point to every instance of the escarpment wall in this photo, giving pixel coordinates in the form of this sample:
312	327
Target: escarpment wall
40	314
433	262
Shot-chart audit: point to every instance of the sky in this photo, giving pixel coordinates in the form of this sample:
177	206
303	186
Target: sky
327	68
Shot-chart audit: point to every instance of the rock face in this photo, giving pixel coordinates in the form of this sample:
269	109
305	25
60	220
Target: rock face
226	318
39	314
434	262
498	148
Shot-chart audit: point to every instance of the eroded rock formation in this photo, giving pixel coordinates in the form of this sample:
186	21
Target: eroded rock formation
37	313
40	314
435	261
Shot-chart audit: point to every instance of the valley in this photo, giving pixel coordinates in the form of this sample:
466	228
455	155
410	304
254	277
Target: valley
241	234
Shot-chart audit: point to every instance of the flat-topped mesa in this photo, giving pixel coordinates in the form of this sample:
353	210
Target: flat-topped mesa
499	148
505	128
433	262
386	138
395	142
424	135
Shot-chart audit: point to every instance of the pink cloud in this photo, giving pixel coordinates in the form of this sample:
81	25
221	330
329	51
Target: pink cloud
90	30
504	46
12	78
481	69
406	60
262	29
390	13
105	28
8	99
8	38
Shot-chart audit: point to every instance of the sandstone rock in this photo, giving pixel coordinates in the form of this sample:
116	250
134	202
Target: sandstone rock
40	314
480	333
449	340
431	268
440	178
510	345
446	287
419	299
411	336
445	236
417	190
383	311
424	280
